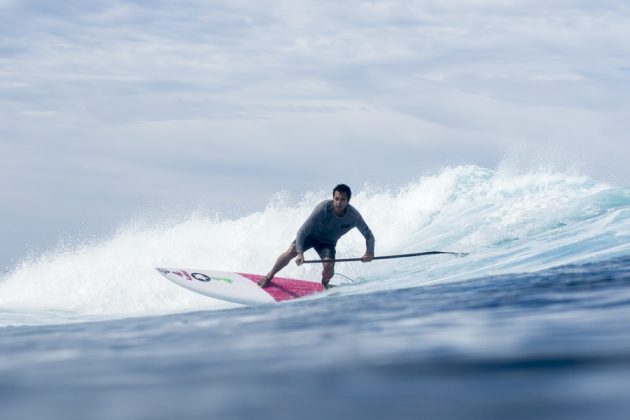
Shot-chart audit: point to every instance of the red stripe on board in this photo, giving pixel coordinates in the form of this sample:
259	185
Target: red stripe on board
286	289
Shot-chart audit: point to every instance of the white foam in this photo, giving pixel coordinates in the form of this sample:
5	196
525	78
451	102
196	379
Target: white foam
508	221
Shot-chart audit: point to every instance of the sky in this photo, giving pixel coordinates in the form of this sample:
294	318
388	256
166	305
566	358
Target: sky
113	110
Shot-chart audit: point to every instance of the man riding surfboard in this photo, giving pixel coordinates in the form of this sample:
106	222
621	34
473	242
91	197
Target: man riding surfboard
329	221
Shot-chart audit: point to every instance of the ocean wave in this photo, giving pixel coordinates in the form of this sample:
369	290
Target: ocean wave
507	221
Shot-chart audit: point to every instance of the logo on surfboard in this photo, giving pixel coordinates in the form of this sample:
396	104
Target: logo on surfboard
201	277
197	276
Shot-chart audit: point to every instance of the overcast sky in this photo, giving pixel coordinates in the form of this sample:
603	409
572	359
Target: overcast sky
113	109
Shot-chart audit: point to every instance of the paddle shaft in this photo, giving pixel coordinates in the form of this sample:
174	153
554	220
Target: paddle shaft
387	257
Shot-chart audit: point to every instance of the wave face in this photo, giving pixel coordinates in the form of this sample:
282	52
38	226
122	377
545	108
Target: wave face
509	223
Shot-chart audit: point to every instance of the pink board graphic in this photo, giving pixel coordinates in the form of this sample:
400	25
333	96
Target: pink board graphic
284	289
240	287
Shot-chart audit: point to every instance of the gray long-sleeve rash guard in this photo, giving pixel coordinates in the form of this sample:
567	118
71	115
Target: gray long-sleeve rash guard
325	226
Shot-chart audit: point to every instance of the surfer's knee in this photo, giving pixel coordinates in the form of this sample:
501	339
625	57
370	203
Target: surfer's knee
292	251
289	254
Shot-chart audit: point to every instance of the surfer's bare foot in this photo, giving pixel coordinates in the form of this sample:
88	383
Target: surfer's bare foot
264	281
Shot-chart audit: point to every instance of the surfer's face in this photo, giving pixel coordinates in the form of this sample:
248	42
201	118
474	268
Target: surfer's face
340	202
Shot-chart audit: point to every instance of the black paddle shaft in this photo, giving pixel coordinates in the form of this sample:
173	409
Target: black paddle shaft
387	257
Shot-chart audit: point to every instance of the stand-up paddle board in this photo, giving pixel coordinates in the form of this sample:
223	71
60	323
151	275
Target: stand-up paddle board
240	287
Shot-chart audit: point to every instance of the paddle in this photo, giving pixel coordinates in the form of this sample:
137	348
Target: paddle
387	257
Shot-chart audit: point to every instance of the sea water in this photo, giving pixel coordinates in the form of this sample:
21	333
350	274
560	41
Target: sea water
533	323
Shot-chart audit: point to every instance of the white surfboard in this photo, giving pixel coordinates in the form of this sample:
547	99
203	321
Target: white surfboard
240	287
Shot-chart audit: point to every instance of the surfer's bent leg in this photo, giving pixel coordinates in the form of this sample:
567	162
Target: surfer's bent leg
327	253
283	261
328	272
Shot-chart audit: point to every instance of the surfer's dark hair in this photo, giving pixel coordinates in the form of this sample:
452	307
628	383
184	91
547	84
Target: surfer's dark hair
343	188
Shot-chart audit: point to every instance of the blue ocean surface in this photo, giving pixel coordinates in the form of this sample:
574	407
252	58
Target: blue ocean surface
533	324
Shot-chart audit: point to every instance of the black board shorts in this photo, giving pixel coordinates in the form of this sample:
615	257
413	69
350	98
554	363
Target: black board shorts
323	249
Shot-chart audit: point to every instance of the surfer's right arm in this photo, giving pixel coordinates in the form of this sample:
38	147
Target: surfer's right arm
308	227
369	239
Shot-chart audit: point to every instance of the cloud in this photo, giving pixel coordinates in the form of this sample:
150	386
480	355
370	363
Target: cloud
108	107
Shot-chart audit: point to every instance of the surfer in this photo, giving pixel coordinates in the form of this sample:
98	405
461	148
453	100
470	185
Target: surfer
330	220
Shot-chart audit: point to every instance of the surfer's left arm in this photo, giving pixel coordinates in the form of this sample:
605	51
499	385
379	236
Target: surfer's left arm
369	240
